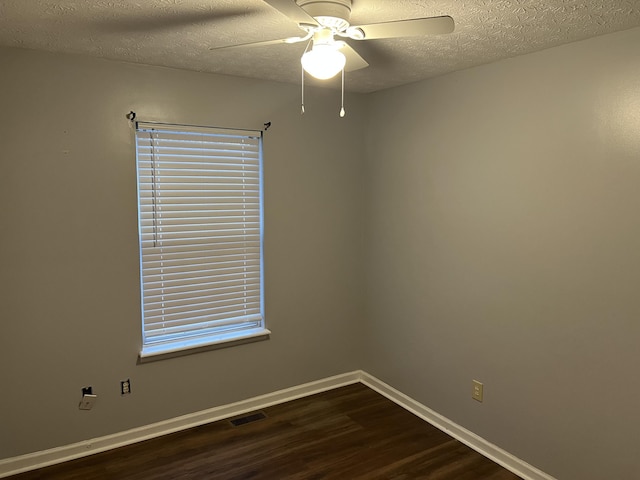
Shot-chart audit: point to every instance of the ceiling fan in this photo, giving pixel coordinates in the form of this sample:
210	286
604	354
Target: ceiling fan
324	20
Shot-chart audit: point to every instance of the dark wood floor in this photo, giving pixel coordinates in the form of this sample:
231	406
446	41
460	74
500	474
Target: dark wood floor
351	433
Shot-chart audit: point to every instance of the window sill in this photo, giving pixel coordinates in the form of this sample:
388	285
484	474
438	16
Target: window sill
160	352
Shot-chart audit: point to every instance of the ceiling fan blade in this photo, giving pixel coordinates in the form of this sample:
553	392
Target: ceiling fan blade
408	28
157	23
292	10
354	60
264	43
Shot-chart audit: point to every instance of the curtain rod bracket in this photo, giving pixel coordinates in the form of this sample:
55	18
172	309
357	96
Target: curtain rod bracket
266	126
131	116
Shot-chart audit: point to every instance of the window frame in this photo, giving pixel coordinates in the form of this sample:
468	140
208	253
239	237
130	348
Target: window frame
219	336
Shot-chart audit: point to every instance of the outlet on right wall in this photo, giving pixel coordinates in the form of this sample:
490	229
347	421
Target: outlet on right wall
504	245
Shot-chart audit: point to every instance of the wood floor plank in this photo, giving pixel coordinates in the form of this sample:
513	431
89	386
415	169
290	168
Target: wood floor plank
350	433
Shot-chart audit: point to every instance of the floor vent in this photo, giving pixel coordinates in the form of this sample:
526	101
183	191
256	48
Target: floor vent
252	417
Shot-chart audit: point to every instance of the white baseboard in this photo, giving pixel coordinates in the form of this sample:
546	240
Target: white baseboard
477	443
32	461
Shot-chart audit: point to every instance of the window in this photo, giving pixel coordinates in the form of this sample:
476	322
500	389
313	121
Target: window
200	230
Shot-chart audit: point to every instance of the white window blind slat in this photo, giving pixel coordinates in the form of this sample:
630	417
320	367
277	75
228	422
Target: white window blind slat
198	256
177	261
200	224
182	302
168	280
167	293
219	326
179	270
174	313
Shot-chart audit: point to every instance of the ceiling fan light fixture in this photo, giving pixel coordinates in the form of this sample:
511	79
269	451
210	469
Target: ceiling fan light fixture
354	33
334	23
324	61
328	13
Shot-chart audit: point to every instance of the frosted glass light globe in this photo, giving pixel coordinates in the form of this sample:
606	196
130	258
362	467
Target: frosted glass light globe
323	61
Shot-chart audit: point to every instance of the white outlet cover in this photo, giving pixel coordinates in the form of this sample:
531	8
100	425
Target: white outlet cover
87	402
478	391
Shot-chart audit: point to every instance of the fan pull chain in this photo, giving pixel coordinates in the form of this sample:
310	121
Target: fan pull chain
302	109
342	112
302	73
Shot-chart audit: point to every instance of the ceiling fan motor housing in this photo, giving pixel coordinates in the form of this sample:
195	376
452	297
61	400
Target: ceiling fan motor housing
333	14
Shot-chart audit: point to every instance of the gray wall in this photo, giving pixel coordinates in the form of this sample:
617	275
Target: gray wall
504	246
70	304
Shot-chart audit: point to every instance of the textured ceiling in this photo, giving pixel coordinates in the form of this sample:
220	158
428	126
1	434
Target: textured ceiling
179	33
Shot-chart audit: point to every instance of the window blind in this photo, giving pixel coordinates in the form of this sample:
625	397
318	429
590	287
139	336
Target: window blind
200	227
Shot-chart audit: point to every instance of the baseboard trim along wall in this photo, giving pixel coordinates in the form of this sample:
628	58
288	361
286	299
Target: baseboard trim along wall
470	439
32	461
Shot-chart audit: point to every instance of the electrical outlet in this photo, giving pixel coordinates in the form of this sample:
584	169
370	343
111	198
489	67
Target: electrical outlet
478	391
125	387
88	399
